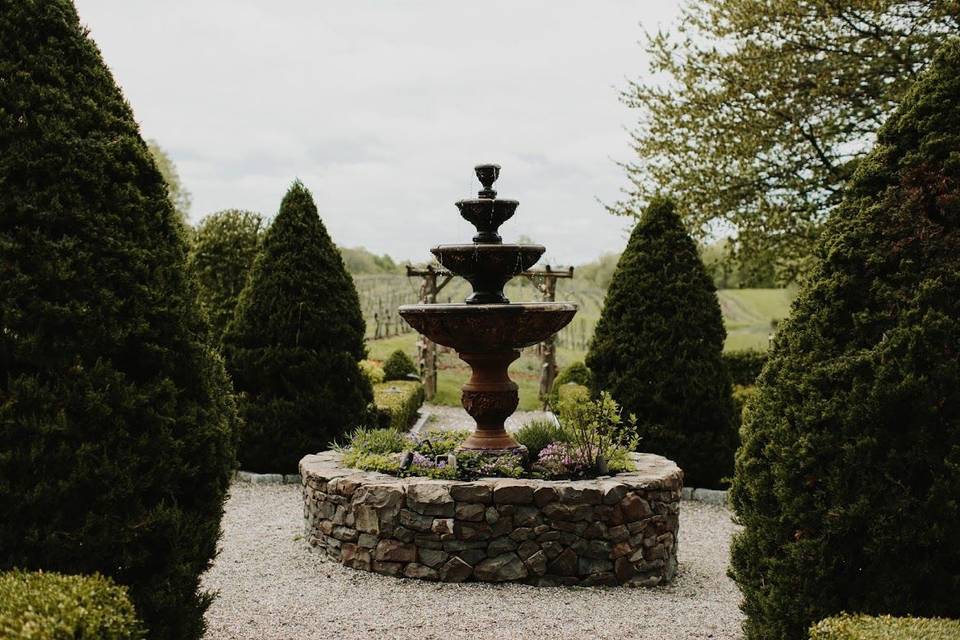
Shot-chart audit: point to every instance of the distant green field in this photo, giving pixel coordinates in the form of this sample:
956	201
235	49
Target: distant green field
747	313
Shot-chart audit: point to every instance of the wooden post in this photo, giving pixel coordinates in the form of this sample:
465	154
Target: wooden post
545	280
426	349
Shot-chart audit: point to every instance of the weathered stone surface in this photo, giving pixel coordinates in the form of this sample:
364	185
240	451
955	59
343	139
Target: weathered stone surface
537	563
455	570
619	530
432	557
527	549
563	565
479	492
414	570
430	499
512	492
415	521
394	551
634	508
501	545
442	526
470	511
501	568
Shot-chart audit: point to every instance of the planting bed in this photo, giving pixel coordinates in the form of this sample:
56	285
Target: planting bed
614	530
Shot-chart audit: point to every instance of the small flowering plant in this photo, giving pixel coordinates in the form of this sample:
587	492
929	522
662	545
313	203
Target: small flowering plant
596	433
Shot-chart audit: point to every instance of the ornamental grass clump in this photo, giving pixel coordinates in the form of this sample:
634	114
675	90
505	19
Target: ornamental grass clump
848	478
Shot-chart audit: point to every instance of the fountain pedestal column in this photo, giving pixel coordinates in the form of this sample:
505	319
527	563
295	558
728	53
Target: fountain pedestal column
490	397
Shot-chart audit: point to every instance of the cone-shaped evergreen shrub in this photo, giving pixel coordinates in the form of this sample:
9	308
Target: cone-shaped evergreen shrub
116	416
221	254
399	366
295	342
848	478
657	349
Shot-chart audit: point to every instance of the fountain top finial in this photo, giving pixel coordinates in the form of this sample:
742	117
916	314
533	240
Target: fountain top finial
487	174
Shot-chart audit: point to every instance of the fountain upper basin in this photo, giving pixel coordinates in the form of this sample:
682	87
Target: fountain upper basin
488	266
471	328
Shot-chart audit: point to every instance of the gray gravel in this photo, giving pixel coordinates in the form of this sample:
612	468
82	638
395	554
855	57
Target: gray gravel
272	587
444	418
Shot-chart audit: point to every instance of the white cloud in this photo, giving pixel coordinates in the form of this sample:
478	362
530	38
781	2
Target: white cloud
382	108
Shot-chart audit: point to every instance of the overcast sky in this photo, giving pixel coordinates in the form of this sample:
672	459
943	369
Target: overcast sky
383	108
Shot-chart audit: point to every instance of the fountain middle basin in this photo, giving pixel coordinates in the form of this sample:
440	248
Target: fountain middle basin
488	337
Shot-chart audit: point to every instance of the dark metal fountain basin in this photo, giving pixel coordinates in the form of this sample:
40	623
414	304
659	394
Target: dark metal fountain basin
487	214
478	328
488	266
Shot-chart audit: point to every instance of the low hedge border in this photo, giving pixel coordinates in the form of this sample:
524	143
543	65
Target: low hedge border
50	606
397	403
744	365
861	627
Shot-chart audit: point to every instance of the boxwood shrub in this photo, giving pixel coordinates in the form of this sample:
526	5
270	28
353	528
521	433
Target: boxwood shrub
846	627
744	366
397	403
54	606
399	366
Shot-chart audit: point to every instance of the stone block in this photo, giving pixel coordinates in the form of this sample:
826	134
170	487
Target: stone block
422	572
455	570
544	495
502	568
365	518
527	549
388	568
430	499
521	533
432	557
415	521
395	551
564	564
469	511
512	492
501	545
588	566
474	492
537	563
634	508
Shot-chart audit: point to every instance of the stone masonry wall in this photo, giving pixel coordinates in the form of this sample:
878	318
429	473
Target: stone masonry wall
619	530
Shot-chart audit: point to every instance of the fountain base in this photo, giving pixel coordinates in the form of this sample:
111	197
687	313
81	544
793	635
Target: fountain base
490	397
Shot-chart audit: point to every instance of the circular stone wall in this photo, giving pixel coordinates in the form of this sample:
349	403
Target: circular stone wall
613	530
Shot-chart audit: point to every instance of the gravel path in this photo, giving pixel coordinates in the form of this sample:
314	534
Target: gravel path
272	587
444	418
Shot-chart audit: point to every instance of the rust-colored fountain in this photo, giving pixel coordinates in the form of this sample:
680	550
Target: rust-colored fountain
487	330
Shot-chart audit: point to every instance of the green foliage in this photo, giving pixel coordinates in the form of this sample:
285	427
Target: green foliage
744	366
657	349
372	371
399	366
537	434
116	417
472	465
593	429
397	403
222	251
53	606
360	261
442	442
179	196
754	113
846	627
851	451
576	373
382	462
733	269
377	441
293	345
600	271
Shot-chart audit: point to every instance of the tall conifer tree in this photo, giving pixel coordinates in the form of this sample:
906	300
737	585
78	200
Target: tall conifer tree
848	478
657	349
294	344
116	416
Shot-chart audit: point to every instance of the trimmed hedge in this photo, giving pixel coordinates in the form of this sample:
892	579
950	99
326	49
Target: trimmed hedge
744	366
399	366
848	478
117	419
846	627
54	606
576	373
294	343
397	403
657	349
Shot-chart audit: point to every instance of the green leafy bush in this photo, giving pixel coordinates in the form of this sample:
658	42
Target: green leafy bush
293	345
117	420
378	441
442	442
51	606
399	366
224	247
537	434
577	373
657	349
397	403
382	462
846	627
851	451
744	366
372	371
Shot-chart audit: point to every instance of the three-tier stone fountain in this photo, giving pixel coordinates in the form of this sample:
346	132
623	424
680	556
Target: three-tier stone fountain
611	530
487	330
